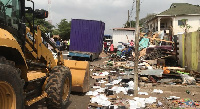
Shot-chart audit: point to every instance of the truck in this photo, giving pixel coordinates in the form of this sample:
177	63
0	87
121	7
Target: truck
86	38
28	70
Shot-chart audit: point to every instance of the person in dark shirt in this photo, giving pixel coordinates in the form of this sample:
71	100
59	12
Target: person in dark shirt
105	47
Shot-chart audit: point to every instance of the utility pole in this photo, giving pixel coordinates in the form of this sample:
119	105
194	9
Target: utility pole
128	16
136	48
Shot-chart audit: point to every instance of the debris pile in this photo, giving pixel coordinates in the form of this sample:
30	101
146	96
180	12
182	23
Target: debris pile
114	85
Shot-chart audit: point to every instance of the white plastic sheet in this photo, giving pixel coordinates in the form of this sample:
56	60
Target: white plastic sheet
101	100
143	93
141	102
188	79
173	98
119	89
157	91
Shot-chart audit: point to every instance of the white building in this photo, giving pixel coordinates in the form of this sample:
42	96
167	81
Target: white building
172	19
123	35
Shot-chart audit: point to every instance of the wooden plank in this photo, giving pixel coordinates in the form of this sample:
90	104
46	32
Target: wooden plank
180	50
199	52
175	68
97	77
194	58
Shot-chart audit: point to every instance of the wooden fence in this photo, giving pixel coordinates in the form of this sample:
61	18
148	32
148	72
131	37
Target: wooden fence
189	50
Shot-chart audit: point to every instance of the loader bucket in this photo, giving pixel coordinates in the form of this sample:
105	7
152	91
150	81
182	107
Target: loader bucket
80	75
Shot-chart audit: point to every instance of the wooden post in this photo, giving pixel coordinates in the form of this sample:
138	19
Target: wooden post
136	48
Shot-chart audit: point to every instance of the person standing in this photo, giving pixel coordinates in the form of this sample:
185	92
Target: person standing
111	48
105	47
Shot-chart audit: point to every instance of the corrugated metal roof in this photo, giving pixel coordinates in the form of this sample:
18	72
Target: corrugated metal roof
126	29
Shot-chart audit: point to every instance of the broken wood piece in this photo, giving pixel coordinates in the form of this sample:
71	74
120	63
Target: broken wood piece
174	68
97	77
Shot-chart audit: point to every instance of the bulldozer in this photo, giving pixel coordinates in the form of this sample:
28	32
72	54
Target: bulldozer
28	70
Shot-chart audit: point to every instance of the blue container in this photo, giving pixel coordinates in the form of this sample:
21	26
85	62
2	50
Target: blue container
86	35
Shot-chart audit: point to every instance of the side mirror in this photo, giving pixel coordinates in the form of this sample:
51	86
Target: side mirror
41	13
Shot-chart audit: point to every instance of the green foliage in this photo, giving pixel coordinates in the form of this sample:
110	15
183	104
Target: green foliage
130	24
185	26
46	27
64	28
56	32
144	20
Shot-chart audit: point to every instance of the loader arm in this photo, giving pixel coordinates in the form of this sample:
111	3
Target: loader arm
40	52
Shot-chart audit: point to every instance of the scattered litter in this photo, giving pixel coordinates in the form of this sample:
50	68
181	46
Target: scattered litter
157	91
160	103
116	81
141	102
119	89
114	86
96	87
113	71
173	98
131	84
92	93
188	79
143	93
101	100
104	74
102	81
186	103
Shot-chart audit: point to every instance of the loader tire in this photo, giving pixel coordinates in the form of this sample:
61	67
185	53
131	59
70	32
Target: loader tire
11	86
58	88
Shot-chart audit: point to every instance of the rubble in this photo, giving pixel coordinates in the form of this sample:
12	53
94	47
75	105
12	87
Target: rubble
114	86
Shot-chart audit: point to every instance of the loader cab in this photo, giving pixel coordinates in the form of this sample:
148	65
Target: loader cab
10	13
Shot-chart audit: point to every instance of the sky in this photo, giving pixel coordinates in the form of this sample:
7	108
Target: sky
114	13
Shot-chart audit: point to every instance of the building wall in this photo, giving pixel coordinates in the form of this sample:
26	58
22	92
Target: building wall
193	21
120	36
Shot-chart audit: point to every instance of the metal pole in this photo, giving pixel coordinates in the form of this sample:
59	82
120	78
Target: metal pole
136	48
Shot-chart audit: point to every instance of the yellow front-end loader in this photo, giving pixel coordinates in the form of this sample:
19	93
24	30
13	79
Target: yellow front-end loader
28	70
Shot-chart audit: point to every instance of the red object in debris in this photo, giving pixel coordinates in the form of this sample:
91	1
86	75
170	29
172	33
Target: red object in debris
197	104
152	79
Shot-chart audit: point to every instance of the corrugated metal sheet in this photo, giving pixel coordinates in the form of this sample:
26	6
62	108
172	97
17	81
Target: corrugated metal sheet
86	35
120	36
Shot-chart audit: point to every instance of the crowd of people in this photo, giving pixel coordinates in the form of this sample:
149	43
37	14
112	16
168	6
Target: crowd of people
123	51
60	44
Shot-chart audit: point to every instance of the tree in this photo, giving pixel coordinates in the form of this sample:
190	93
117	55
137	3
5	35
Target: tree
130	24
55	32
143	21
46	27
184	25
64	28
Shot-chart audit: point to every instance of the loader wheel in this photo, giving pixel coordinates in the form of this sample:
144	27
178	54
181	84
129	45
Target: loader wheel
58	88
11	86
